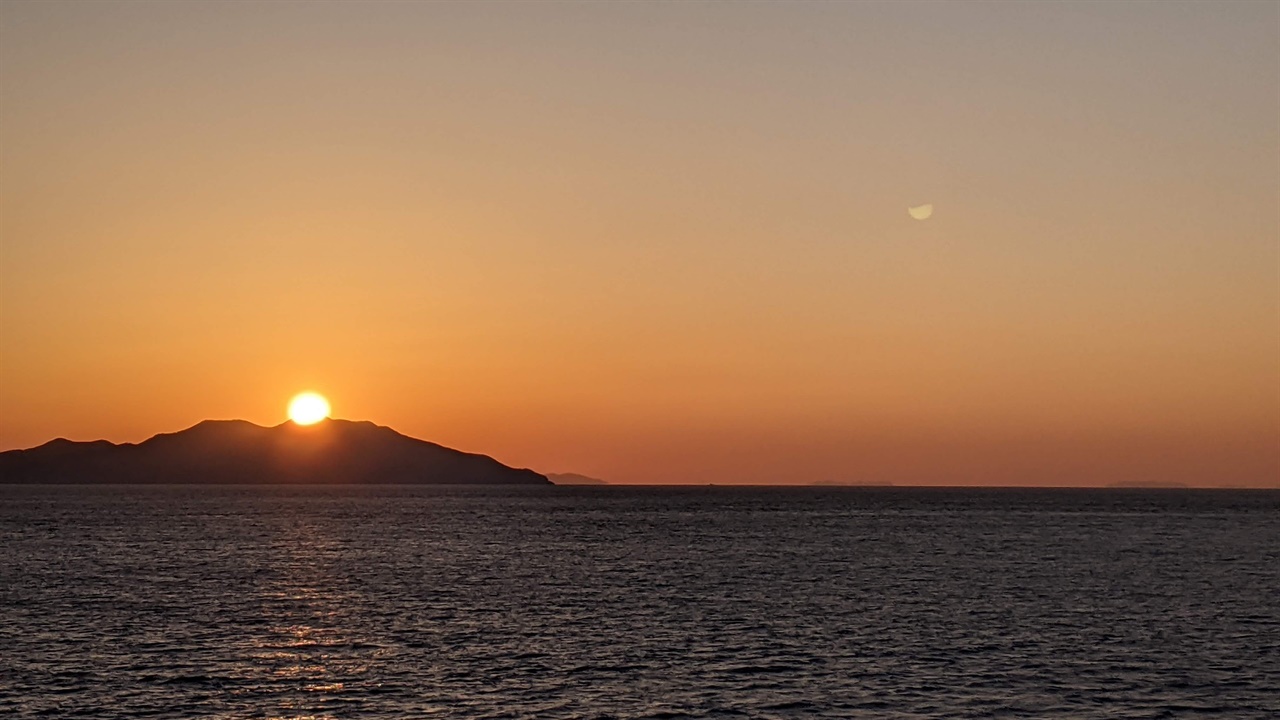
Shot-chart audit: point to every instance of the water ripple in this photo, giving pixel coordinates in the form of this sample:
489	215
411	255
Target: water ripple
394	602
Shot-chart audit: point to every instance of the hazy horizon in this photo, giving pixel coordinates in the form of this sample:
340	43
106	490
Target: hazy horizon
657	243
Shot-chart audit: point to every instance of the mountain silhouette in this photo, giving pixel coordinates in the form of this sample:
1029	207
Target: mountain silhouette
574	479
237	451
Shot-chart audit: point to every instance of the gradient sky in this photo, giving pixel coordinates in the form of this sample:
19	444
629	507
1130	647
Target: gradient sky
657	242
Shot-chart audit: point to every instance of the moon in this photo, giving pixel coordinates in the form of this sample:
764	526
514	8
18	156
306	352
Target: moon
308	408
920	212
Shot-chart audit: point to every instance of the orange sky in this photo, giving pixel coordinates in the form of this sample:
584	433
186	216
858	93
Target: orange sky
657	242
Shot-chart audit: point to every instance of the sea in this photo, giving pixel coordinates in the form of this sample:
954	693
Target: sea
637	602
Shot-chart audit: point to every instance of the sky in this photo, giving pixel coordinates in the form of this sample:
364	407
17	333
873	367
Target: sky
657	242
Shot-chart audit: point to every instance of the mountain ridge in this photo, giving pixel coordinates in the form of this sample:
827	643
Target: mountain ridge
332	451
574	479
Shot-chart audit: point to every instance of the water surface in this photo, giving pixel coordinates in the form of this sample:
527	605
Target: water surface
393	602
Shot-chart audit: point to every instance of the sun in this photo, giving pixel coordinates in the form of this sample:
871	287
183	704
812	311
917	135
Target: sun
308	408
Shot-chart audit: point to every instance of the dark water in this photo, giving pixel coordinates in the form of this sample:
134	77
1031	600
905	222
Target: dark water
392	602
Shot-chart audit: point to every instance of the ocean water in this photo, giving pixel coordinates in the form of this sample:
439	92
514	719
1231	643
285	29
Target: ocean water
420	602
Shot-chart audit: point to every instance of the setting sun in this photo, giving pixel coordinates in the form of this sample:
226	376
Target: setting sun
308	408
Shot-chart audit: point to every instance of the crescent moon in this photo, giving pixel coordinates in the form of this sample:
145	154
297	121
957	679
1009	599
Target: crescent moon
920	212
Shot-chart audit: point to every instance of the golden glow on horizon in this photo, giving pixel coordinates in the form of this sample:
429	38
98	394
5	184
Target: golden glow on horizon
308	408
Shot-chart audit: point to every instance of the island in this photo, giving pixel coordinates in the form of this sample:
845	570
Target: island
330	452
574	479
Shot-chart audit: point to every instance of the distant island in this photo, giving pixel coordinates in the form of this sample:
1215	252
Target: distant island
237	451
574	479
851	483
1150	485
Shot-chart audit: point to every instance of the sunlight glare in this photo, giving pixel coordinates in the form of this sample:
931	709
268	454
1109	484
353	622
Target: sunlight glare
308	408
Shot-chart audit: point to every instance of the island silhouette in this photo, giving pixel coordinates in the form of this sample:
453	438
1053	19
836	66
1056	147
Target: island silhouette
237	451
574	479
